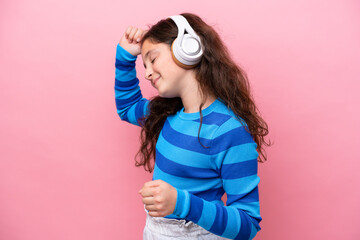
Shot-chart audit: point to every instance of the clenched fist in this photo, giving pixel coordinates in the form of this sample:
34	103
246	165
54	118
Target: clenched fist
159	198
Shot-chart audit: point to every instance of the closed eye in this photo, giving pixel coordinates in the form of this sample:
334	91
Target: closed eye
152	61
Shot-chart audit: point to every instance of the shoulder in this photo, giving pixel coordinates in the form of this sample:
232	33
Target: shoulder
230	133
228	120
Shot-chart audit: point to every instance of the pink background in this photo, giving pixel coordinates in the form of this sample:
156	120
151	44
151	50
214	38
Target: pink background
67	161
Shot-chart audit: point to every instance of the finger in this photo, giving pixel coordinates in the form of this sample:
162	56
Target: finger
132	33
155	214
149	184
127	32
153	208
138	36
148	192
145	31
154	183
148	200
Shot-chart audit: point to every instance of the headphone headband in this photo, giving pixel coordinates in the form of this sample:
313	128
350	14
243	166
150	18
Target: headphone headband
186	48
183	25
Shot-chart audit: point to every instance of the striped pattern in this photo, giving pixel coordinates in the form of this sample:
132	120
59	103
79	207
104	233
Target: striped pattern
200	175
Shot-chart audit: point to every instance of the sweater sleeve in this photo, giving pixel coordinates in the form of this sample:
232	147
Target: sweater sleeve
130	104
235	155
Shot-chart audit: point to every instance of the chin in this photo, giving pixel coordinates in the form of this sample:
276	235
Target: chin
164	94
167	95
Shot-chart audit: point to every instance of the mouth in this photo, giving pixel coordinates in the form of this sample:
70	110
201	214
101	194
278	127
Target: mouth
154	81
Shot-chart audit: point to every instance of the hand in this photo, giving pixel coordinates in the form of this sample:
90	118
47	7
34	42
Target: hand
159	198
130	40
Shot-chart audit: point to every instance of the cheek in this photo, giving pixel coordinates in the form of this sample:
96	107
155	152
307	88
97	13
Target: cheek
168	89
168	61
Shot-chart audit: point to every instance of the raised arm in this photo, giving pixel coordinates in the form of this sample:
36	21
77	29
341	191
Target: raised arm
130	104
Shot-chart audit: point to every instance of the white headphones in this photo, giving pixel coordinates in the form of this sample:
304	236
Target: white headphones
186	48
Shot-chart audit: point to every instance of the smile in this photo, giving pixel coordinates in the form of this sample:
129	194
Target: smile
155	80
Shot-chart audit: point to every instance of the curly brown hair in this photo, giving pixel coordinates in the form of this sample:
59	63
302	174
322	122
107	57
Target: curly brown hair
217	75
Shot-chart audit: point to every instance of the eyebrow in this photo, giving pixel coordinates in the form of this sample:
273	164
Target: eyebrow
147	54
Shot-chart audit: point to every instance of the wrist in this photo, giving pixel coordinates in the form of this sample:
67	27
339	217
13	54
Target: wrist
182	206
124	55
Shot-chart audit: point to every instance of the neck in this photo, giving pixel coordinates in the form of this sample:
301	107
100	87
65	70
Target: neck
191	95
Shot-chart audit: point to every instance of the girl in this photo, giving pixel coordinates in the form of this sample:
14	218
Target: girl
202	131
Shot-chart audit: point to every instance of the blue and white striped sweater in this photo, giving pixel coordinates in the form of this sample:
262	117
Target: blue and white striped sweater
200	175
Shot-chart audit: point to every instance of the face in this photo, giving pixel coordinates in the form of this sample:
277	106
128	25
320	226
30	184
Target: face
161	69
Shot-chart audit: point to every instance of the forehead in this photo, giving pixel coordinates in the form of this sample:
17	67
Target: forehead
148	46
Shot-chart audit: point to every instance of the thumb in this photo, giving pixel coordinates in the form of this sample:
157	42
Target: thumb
154	183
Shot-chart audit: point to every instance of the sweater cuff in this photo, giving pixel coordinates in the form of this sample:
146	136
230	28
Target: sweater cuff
182	203
123	55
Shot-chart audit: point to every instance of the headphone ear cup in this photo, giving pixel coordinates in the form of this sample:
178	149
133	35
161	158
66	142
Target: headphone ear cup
177	61
189	46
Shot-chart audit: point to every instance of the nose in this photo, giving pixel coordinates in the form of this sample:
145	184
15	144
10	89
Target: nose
148	73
